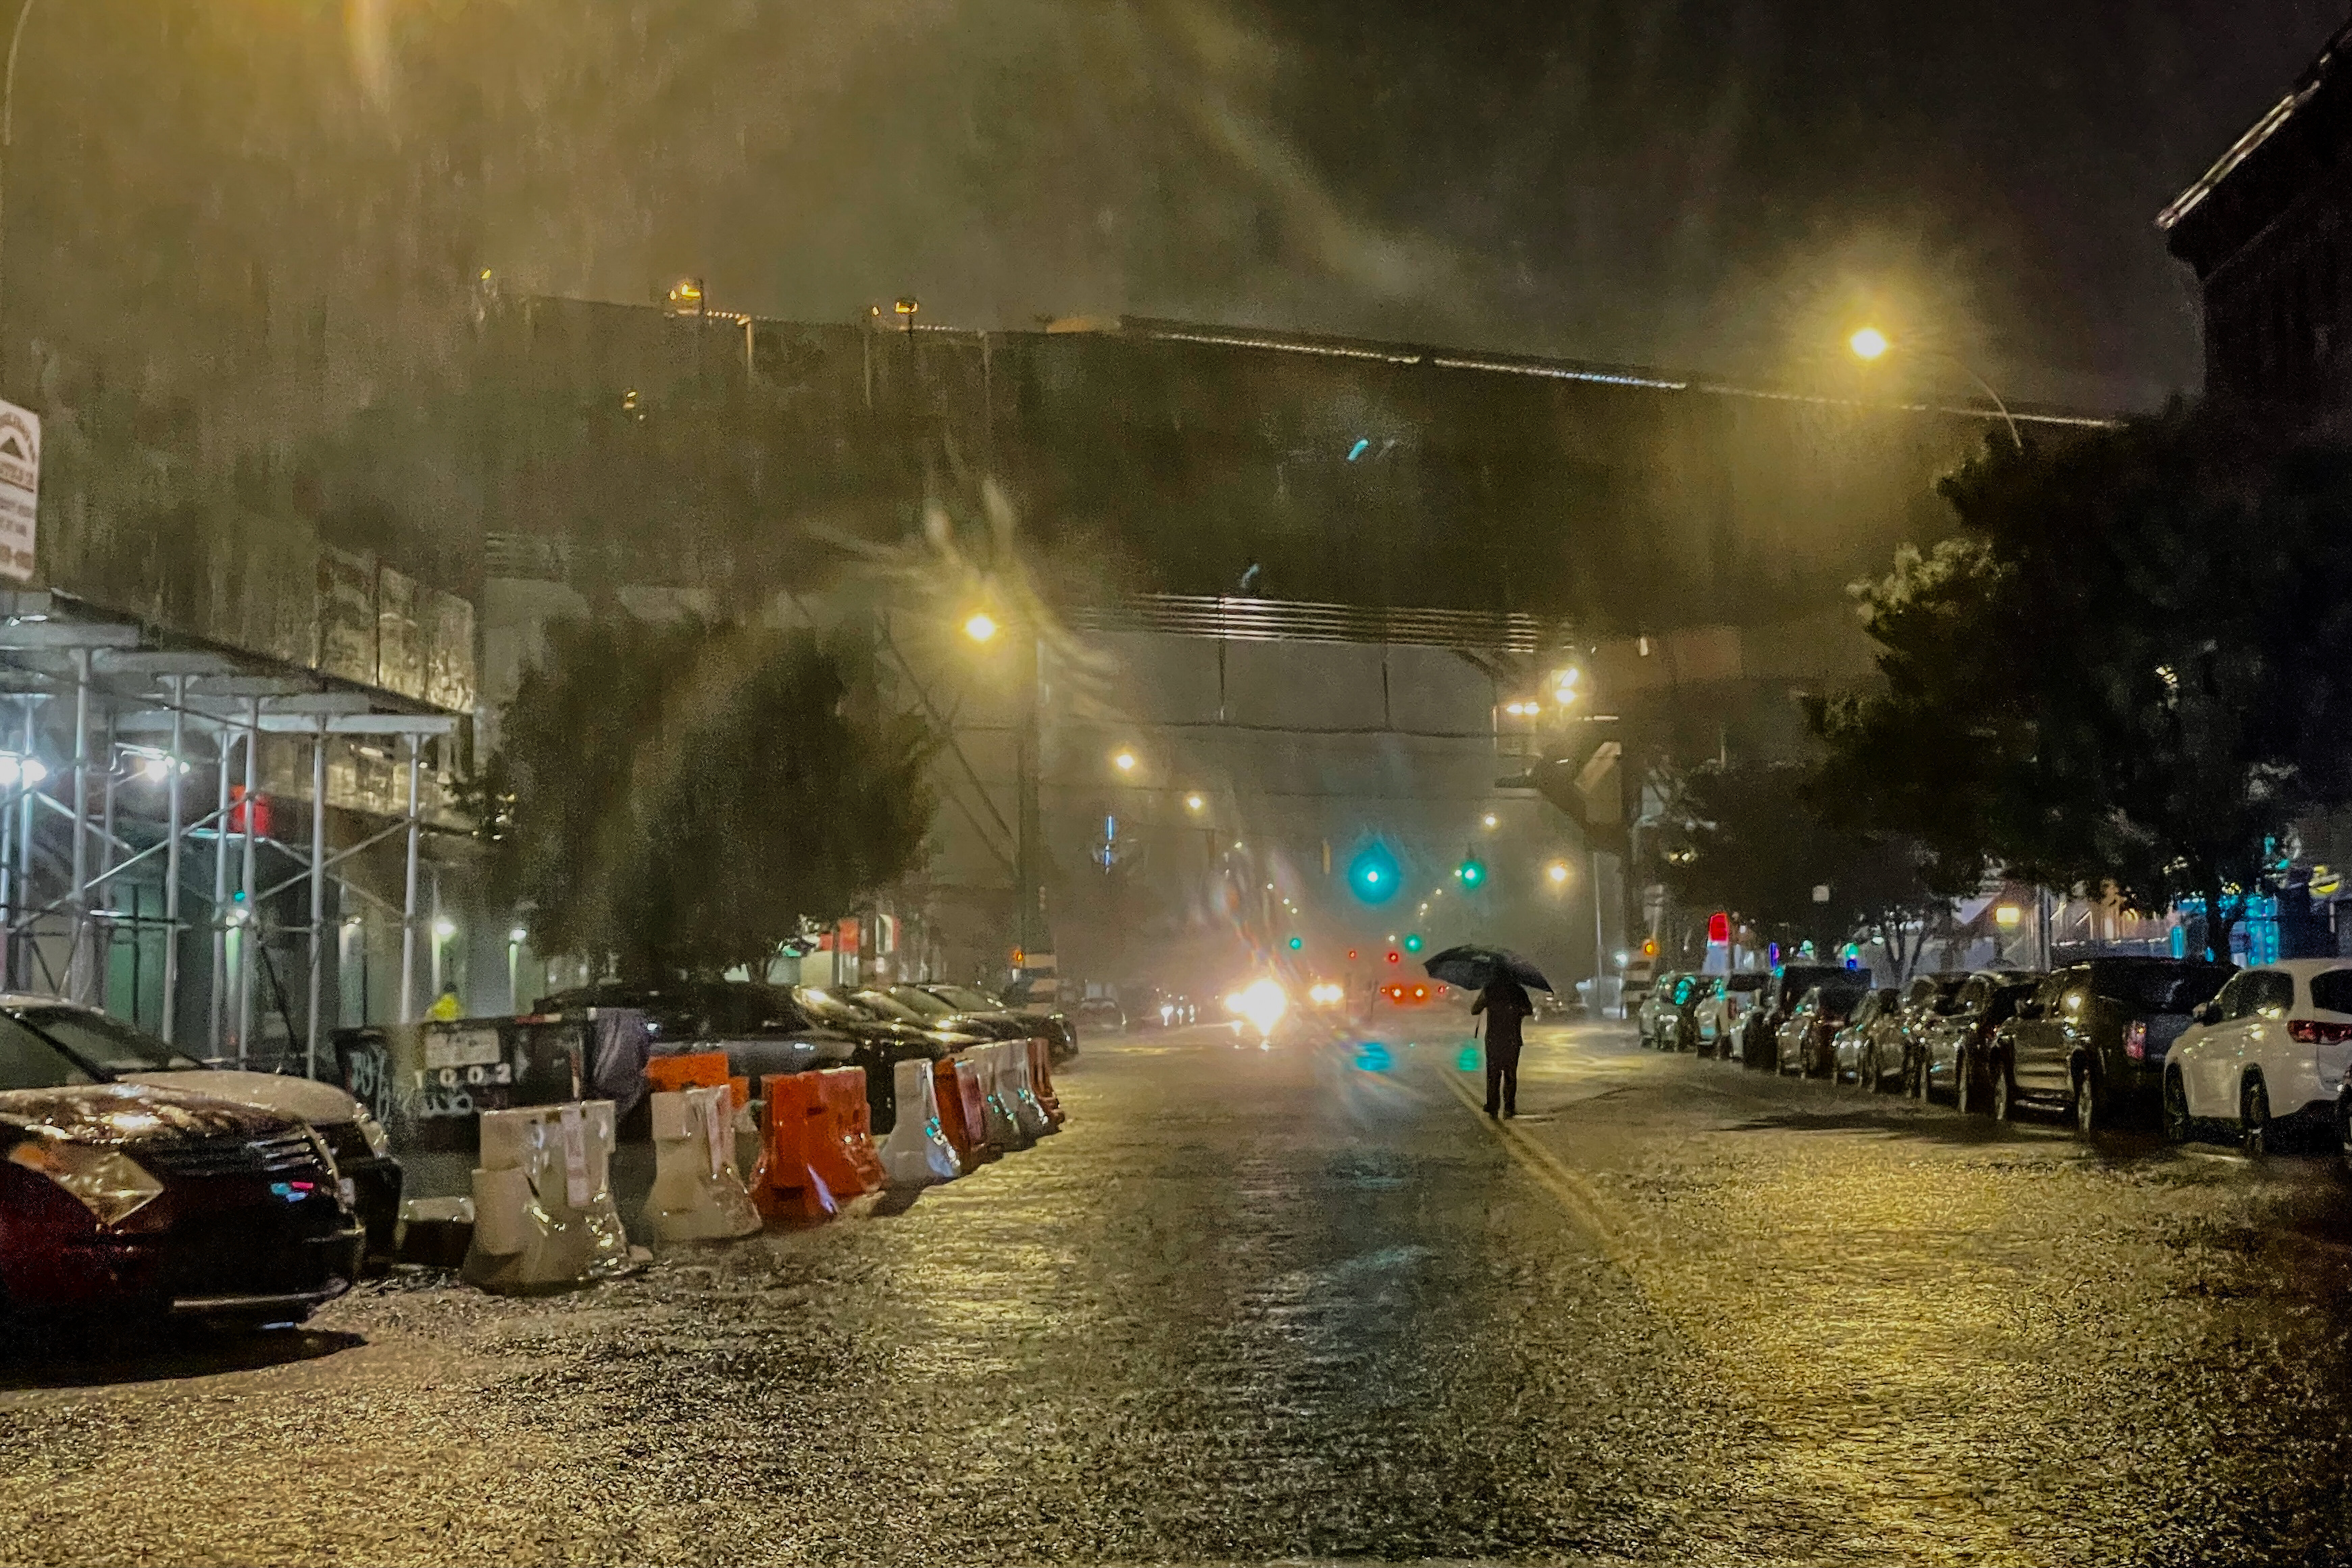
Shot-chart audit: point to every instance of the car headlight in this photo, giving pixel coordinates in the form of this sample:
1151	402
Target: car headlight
379	1142
109	1183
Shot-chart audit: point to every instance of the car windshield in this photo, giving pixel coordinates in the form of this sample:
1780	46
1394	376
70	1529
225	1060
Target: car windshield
2158	987
967	998
914	1005
107	1044
29	1061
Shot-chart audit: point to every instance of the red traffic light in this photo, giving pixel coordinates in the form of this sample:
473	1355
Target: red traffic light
1352	954
1395	956
1718	928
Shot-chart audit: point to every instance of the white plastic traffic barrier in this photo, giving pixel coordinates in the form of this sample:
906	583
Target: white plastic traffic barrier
1030	1111
1012	1079
916	1153
1003	1130
698	1193
543	1212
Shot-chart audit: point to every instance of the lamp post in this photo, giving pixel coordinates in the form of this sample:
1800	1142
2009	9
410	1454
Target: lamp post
1871	345
1029	933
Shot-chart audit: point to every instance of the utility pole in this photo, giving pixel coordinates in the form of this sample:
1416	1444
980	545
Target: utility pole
1029	933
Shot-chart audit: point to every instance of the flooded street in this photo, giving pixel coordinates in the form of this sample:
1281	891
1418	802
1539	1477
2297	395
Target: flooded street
1275	1305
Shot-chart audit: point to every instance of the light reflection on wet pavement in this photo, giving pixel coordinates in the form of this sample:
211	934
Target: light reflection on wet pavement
1306	1303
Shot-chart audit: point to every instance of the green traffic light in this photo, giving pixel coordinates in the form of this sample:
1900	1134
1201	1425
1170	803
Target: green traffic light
1471	873
1412	943
1296	943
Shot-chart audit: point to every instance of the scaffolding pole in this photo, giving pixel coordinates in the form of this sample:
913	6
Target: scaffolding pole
408	895
252	922
77	960
172	863
317	898
216	1001
20	973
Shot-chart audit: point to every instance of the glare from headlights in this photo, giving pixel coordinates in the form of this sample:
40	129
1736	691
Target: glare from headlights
107	1181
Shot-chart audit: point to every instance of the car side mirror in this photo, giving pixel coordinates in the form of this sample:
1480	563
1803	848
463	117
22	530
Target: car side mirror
2206	1012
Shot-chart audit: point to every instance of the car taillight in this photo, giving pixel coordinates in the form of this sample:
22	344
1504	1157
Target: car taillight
2136	1041
2310	1032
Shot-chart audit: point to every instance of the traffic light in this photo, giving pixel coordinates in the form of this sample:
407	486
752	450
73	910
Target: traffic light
1650	947
1296	943
1395	956
1718	928
1472	871
1373	875
1352	954
1412	943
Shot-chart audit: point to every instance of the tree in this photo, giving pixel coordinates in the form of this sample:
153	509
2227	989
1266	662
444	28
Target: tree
2129	670
680	798
1751	841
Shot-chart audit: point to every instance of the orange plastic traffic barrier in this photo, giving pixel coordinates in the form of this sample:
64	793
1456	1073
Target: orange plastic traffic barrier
695	1069
960	1116
842	1151
785	1184
1041	1081
740	1091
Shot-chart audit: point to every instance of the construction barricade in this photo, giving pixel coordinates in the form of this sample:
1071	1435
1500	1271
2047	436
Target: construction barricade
815	1149
698	1194
1041	1081
543	1212
1004	1130
916	1153
962	1118
1012	1082
688	1069
845	1153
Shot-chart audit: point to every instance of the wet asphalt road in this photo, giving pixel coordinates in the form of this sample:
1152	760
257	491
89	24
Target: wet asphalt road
1274	1304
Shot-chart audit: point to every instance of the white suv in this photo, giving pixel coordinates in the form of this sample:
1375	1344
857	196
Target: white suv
2267	1055
1719	1012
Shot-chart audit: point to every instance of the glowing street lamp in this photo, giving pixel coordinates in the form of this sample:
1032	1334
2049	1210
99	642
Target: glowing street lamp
1558	872
1124	762
1868	343
980	627
1193	803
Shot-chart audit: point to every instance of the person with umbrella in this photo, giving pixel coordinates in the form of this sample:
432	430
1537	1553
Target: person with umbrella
1501	979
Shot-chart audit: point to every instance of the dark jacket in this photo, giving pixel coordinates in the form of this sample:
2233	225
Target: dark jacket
1505	1004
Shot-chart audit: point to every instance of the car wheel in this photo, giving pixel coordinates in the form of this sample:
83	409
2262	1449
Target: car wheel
2004	1093
2255	1119
1964	1080
2090	1110
1867	1078
2177	1124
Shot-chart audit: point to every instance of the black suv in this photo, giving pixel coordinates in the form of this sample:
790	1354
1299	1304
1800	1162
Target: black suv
2092	1036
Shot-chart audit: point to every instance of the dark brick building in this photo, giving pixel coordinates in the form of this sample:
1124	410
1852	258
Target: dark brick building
2268	229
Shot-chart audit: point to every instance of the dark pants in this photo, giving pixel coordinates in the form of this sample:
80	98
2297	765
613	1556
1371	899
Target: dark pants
1503	1077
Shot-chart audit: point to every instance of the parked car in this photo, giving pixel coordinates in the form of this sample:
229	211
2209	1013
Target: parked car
1668	1011
1657	1004
1038	1000
1036	1021
2092	1039
133	1201
759	1026
1783	990
1803	1042
880	1045
1720	1011
1881	1045
1950	1054
2266	1057
1101	1012
109	1049
1853	1053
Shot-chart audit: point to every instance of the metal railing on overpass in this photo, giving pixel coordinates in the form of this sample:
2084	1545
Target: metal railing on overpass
1244	619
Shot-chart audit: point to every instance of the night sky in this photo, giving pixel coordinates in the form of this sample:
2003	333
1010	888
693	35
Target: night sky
1726	187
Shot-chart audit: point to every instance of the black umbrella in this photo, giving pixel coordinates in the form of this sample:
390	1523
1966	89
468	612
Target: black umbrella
1473	968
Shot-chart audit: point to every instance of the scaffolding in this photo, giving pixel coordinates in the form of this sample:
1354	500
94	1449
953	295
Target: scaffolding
104	700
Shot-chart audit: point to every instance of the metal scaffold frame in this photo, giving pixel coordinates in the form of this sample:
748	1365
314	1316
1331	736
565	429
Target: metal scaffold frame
145	692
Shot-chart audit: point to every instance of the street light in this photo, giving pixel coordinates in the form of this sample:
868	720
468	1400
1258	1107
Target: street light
980	627
1193	803
1488	820
1124	762
1870	345
1557	871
